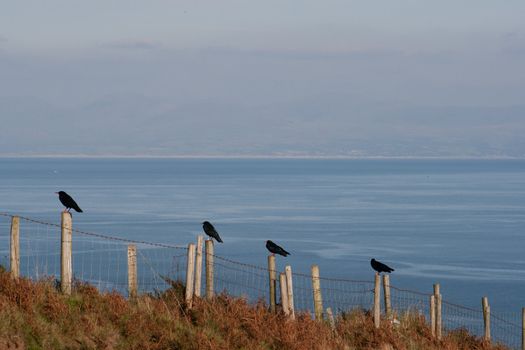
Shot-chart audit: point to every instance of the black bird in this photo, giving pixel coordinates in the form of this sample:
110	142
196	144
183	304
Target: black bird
68	202
380	267
211	231
275	249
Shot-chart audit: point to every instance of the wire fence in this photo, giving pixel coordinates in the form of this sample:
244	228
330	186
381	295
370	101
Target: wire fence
409	300
101	260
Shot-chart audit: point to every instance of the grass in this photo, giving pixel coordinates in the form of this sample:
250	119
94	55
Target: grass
34	315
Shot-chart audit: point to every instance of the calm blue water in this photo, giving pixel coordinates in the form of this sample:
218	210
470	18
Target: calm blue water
457	222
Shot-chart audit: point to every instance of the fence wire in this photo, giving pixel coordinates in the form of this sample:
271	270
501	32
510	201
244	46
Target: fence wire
238	279
101	260
404	300
457	316
507	328
98	259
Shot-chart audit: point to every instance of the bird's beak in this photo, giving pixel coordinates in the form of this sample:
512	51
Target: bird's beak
56	192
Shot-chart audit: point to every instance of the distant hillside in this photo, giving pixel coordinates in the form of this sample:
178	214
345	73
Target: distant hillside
337	126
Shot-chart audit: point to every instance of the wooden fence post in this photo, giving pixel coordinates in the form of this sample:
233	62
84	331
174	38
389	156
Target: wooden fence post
316	288
331	319
66	265
523	328
209	269
377	300
386	289
486	318
273	281
439	323
284	293
190	270
198	266
15	247
289	289
132	271
433	315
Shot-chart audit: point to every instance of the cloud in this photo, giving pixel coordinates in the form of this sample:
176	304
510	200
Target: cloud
132	45
304	54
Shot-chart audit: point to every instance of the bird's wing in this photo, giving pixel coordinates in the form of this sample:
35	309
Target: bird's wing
281	249
385	267
69	202
75	206
213	233
217	237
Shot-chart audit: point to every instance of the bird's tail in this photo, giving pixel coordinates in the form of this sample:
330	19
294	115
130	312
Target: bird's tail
219	239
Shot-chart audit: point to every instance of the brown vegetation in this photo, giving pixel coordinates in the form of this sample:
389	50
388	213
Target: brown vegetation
36	316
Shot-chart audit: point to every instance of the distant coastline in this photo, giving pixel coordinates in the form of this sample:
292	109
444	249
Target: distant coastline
144	156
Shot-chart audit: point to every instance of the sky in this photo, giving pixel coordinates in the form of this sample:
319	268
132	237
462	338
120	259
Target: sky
271	78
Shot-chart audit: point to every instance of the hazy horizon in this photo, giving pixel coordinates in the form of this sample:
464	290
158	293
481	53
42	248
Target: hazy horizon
233	156
302	79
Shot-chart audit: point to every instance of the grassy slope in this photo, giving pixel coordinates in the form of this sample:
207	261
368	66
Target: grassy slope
36	316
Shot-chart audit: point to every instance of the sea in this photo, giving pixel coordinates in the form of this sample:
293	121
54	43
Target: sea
457	222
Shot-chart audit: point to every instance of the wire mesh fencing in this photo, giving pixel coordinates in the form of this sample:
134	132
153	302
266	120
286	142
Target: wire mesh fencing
102	261
458	316
404	300
239	279
341	295
507	328
98	259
